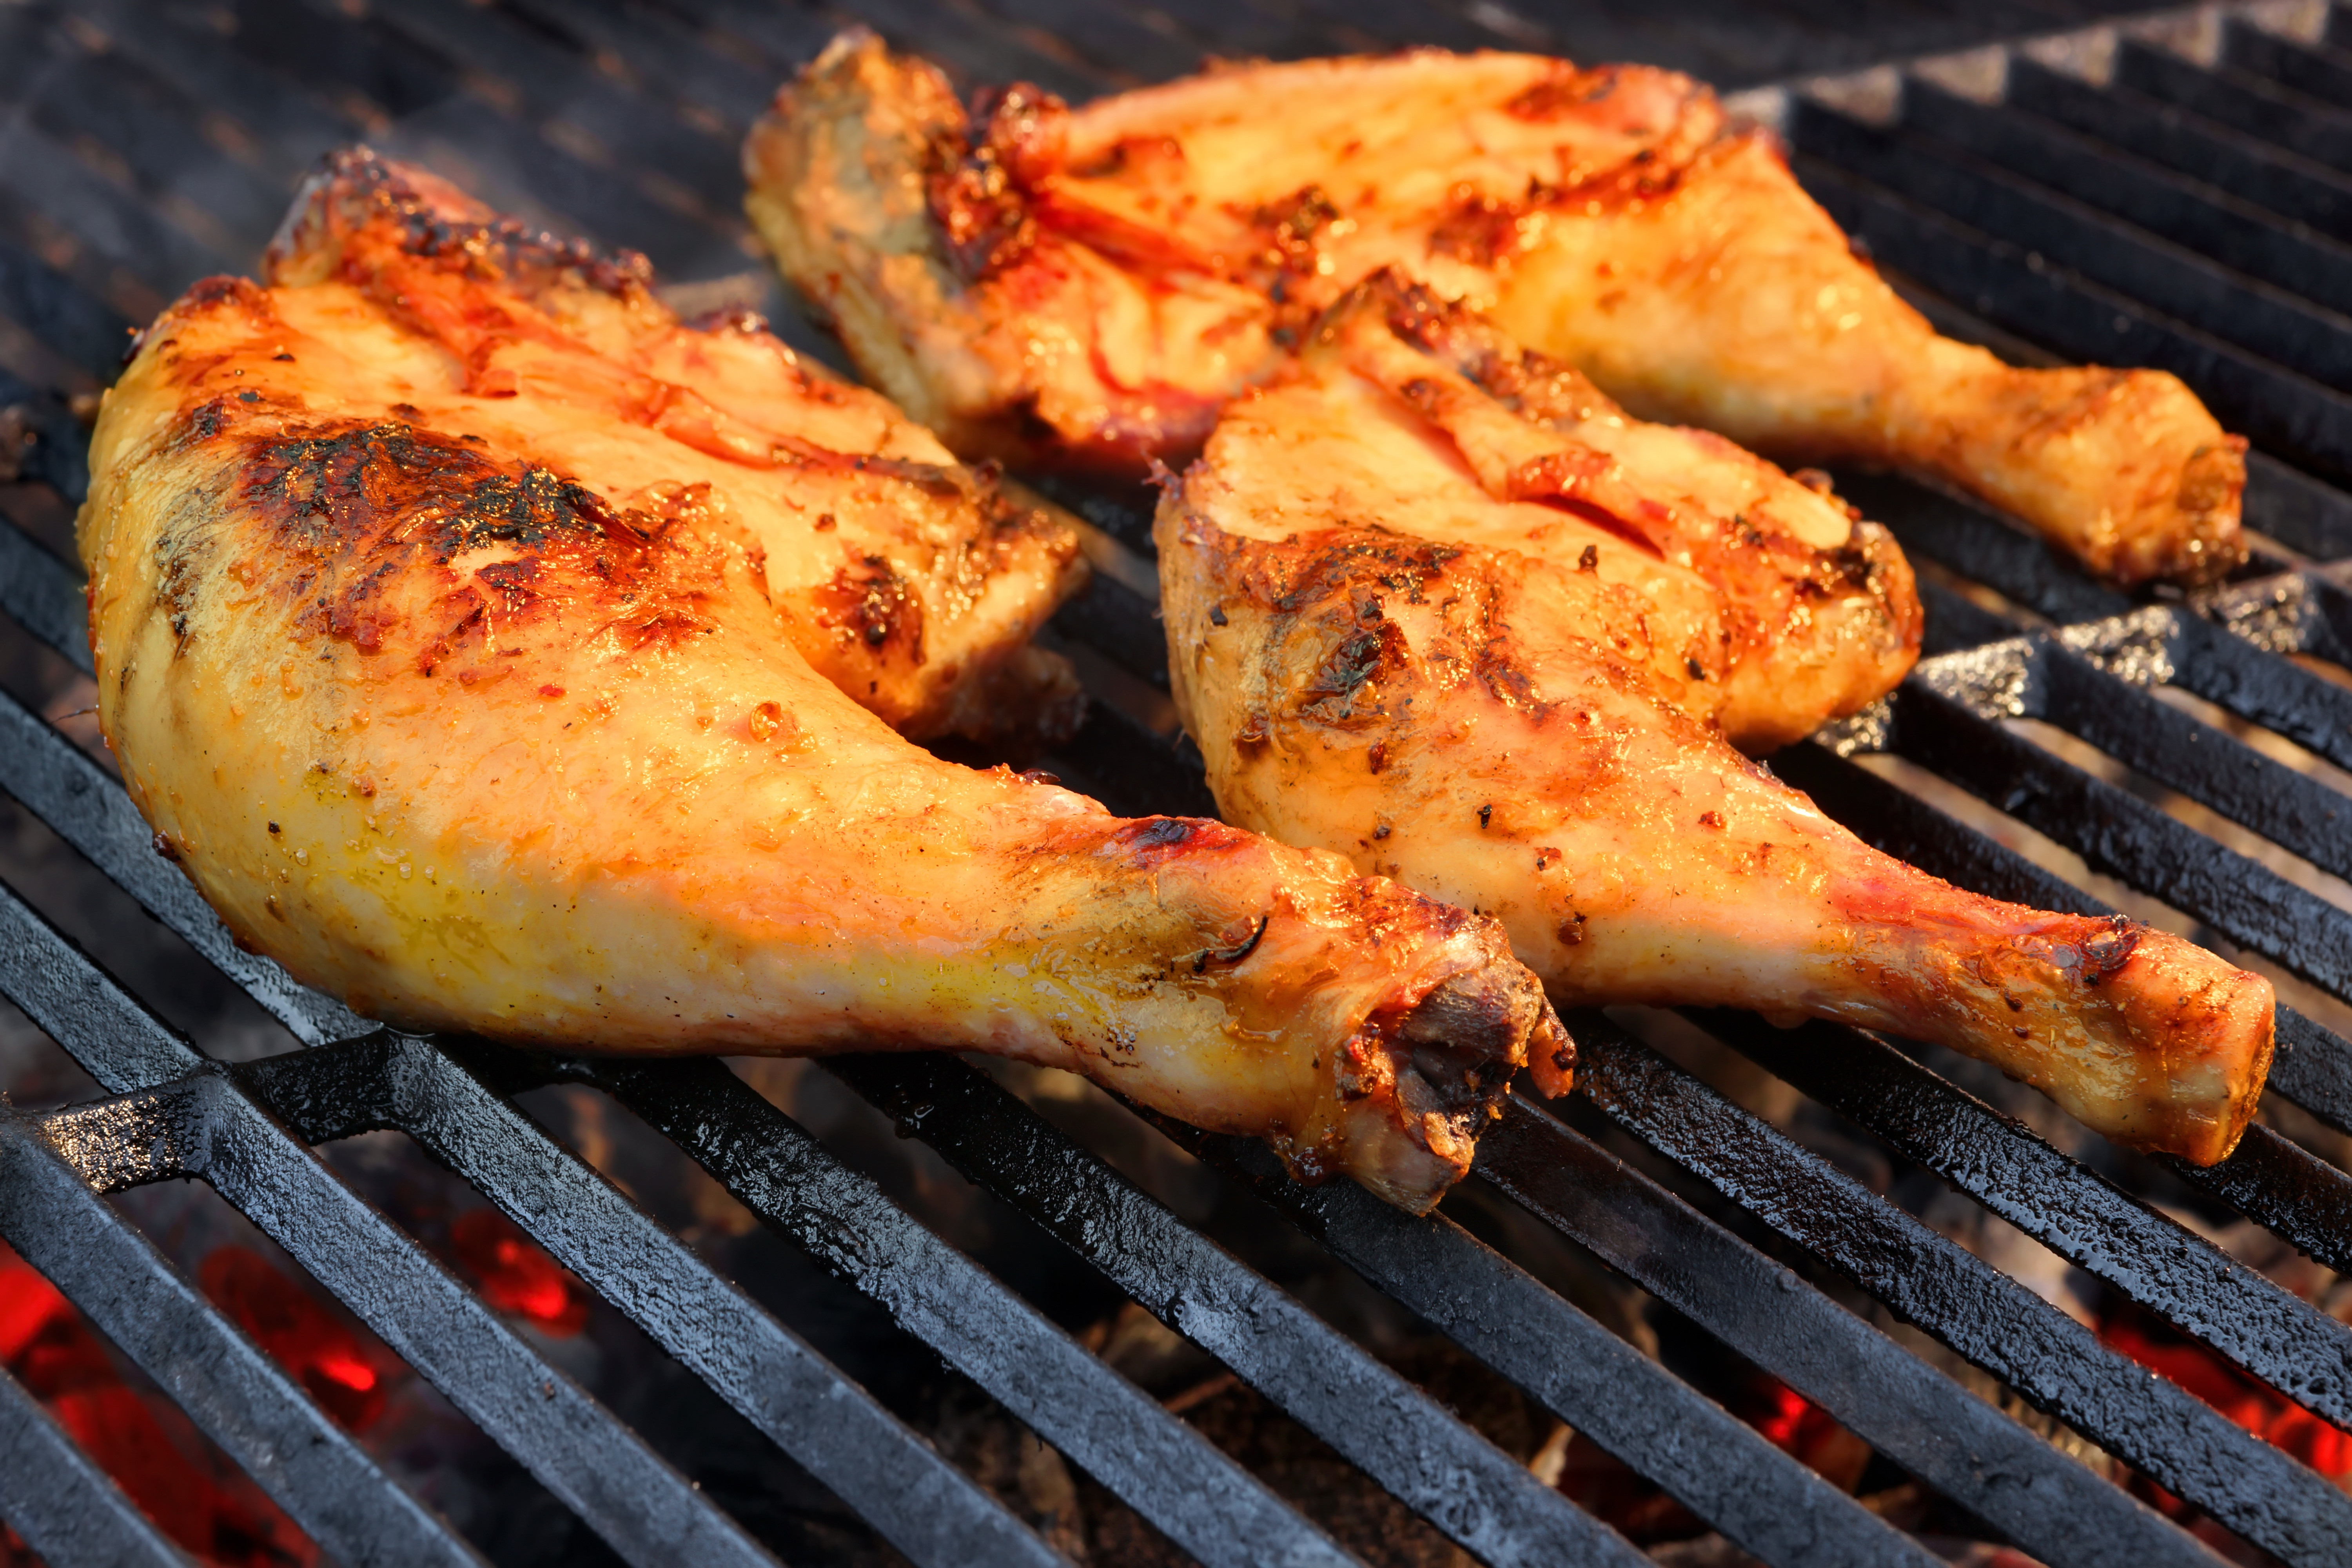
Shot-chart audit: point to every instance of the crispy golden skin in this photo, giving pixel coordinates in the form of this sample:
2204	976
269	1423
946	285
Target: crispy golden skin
1089	287
421	668
1760	607
1382	652
903	578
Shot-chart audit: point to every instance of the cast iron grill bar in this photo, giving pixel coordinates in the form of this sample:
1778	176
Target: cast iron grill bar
2238	99
452	1100
2279	178
2222	223
784	1176
2119	834
2056	1363
65	1508
574	1446
2234	663
236	1395
2077	1213
1483	1498
2054	1506
1590	1379
2051	1506
2318	71
200	1126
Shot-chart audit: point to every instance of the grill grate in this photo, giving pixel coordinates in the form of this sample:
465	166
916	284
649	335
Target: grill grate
2175	193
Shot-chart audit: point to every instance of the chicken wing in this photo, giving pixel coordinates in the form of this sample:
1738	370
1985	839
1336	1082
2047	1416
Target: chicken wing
1383	648
460	628
1089	287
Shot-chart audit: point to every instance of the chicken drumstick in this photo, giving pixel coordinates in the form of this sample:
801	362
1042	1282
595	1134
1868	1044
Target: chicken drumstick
1383	648
435	641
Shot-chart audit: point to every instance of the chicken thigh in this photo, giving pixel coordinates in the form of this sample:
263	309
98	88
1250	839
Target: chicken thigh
462	628
1394	635
1087	287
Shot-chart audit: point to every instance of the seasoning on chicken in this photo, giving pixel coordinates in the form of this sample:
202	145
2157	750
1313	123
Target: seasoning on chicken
1387	642
461	628
1089	287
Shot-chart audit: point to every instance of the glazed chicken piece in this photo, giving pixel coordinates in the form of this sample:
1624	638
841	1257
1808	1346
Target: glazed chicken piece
437	641
1389	644
1758	603
1087	287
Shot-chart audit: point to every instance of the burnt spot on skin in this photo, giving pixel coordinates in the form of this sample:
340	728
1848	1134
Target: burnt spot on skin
978	189
2109	951
873	611
1292	228
1153	841
355	190
1344	690
1225	958
366	528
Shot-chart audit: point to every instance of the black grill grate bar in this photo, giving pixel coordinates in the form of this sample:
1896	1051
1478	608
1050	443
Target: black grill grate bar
1707	1459
545	79
238	1396
568	1442
2240	100
1154	1462
2220	223
2315	69
63	1507
2152	1259
2054	679
1486	1501
1989	1319
825	1423
286	127
2233	664
2119	835
2050	1505
662	53
84	98
2297	188
2100	248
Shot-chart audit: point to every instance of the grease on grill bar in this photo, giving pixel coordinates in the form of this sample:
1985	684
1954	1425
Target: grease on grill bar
2176	192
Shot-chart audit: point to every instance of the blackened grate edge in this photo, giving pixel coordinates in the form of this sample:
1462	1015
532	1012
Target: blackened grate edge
1957	173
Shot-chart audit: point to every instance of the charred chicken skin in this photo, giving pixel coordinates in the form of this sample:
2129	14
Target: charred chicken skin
462	630
1390	644
1089	287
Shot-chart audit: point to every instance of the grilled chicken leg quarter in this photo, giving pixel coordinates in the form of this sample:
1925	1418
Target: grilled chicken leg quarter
501	655
1089	287
1396	636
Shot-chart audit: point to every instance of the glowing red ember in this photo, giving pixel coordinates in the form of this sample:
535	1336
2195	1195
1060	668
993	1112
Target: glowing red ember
515	1276
211	1510
298	1333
